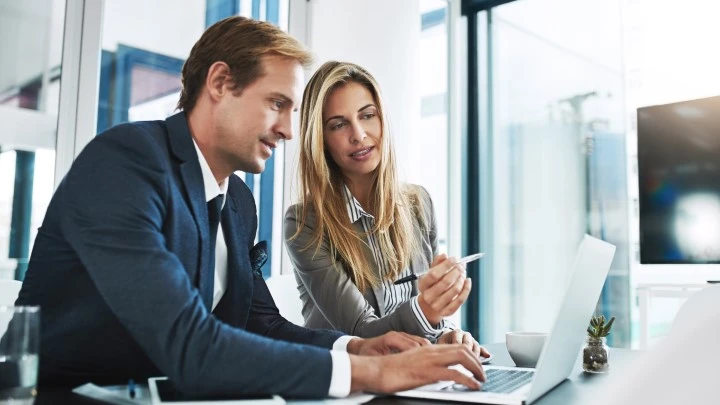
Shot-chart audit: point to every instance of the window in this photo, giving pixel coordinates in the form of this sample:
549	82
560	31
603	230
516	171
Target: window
30	47
553	139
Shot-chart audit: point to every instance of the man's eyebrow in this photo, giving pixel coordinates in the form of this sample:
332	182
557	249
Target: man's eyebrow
281	96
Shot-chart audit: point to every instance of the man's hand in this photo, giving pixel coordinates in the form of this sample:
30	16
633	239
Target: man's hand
458	336
414	368
443	289
391	342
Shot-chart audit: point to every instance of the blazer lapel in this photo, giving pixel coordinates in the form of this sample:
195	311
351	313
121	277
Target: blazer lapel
380	298
182	146
377	290
416	266
234	307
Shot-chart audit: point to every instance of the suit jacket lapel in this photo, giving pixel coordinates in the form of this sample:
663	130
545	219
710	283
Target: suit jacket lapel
234	307
182	146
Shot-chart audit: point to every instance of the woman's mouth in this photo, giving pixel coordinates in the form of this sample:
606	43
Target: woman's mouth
362	154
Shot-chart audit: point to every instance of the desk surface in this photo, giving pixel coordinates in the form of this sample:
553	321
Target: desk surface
579	388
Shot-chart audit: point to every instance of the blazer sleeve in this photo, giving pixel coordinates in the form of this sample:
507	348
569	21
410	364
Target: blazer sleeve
334	293
429	208
116	196
430	221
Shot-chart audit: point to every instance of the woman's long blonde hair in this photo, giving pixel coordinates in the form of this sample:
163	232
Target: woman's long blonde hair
321	185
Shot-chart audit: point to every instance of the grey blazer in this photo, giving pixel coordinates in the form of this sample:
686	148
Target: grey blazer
330	298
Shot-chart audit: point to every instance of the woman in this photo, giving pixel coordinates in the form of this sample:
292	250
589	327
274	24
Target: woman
357	229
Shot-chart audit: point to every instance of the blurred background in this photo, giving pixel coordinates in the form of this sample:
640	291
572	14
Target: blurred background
522	118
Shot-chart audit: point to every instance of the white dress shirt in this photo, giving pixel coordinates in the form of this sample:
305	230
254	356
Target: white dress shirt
340	378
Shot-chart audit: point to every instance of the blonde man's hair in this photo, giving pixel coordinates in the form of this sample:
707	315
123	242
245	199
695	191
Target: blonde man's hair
321	186
241	43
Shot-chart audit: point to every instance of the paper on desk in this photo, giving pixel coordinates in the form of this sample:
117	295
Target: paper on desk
357	398
116	394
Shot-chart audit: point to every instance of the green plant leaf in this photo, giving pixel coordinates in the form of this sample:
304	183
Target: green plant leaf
609	325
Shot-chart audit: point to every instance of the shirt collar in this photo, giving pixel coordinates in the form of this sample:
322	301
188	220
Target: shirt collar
212	188
355	210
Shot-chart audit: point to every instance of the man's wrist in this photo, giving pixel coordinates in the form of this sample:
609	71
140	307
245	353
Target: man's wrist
363	372
354	345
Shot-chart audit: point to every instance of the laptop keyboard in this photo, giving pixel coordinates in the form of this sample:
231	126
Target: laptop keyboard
501	381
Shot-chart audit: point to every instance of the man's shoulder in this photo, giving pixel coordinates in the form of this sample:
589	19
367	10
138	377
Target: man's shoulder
139	132
143	141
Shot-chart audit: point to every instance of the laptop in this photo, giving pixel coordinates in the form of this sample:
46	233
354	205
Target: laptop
516	385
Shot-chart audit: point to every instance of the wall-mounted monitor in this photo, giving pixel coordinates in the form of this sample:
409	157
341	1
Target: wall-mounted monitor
679	179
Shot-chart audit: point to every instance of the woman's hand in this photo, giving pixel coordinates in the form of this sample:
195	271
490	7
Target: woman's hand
465	338
443	289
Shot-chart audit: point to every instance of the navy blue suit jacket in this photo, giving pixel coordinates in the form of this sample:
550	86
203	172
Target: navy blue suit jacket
115	269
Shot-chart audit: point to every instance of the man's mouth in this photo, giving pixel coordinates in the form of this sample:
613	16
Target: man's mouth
271	145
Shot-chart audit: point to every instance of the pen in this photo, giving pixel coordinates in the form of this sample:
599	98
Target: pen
131	388
466	259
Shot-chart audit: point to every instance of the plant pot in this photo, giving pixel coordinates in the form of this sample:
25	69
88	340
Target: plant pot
595	355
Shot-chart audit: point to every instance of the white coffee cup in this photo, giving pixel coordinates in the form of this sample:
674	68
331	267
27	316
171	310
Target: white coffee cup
525	347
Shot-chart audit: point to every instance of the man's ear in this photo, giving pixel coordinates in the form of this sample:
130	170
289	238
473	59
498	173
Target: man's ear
217	80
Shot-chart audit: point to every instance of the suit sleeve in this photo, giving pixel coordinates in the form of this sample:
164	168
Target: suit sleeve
334	293
116	196
265	319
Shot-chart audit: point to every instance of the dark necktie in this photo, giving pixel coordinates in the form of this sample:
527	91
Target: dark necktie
208	277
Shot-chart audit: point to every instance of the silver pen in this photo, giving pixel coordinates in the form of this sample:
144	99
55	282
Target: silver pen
466	259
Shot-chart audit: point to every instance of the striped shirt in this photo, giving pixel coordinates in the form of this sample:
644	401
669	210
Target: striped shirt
393	295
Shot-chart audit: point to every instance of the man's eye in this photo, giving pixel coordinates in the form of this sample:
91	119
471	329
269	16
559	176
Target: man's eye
278	104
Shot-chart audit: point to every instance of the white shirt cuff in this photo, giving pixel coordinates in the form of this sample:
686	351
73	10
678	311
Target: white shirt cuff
342	342
340	379
429	330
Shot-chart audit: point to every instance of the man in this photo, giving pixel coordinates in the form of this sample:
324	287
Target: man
136	278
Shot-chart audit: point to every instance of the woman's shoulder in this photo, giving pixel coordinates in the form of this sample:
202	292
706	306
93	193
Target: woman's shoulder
416	193
295	213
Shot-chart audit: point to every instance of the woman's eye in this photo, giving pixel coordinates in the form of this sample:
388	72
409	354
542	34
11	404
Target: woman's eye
368	116
337	126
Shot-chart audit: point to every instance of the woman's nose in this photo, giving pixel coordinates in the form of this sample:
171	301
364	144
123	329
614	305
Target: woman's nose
358	133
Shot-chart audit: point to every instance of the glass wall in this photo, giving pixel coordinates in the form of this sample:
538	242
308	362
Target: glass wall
31	35
553	122
668	59
432	72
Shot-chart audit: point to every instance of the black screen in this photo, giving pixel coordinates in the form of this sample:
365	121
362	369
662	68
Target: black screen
679	180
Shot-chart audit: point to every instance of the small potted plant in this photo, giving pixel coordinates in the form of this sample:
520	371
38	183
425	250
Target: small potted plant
595	352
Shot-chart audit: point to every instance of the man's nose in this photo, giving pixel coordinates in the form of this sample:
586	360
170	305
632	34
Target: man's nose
284	128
